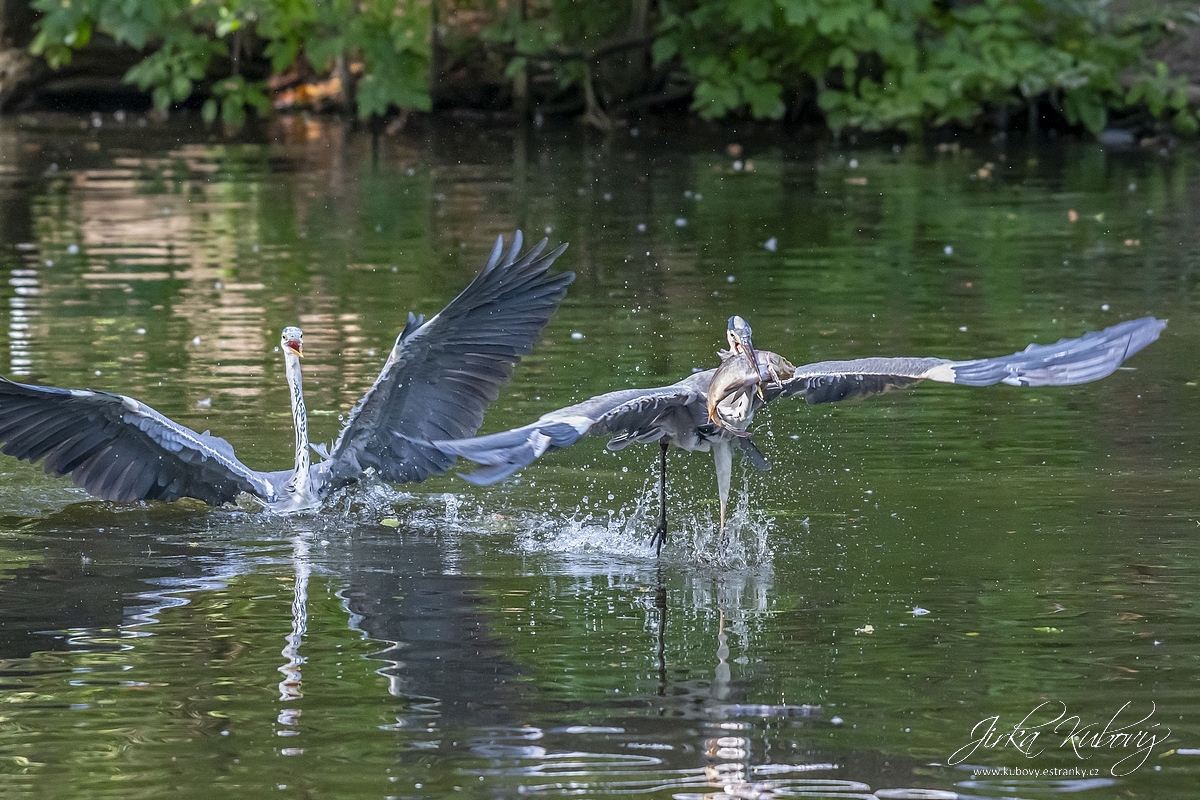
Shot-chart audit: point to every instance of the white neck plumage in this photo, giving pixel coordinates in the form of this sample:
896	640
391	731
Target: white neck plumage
301	483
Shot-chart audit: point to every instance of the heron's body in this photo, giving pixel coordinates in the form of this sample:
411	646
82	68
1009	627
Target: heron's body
711	411
436	382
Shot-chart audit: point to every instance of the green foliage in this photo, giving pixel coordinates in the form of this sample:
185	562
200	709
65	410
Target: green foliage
904	63
233	96
867	64
202	43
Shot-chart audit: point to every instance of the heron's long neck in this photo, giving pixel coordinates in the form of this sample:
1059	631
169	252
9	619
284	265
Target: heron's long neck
300	478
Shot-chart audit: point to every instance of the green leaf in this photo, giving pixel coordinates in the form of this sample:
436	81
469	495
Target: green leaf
181	87
514	67
663	49
209	110
233	113
843	57
162	98
1185	122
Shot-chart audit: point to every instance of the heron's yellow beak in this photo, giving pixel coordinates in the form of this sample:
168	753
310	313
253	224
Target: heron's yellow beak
295	347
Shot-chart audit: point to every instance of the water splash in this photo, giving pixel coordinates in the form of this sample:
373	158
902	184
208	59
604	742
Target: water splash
744	543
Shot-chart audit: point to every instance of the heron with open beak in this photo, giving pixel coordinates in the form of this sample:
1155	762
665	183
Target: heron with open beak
712	410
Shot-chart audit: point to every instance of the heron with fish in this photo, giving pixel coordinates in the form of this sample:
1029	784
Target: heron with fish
711	411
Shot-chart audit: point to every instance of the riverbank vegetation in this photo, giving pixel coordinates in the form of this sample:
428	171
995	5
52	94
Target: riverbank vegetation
848	64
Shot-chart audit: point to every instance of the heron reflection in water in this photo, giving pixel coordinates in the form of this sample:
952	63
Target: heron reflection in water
436	382
712	410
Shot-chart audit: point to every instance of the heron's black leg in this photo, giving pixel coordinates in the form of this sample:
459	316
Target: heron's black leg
660	533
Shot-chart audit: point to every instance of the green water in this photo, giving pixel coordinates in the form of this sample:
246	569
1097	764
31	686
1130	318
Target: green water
522	640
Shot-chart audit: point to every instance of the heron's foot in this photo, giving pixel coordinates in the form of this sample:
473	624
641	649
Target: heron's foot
659	538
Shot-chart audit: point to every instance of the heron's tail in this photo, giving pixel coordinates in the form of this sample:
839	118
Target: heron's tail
1067	361
502	454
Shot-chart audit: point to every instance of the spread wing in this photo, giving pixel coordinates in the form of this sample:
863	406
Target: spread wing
1068	361
627	415
441	374
119	449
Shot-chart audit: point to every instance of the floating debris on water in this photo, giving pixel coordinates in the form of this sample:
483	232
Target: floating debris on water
919	612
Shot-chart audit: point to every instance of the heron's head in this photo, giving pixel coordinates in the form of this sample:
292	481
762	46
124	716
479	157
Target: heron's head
738	335
292	341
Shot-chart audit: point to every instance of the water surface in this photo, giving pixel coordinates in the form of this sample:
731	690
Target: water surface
912	566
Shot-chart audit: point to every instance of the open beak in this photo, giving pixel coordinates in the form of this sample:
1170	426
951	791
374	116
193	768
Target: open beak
295	347
743	346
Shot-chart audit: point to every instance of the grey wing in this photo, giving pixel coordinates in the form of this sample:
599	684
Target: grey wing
627	415
1068	361
441	375
119	449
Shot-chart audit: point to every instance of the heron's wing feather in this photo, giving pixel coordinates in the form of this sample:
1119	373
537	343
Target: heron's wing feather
119	449
441	374
626	415
1069	361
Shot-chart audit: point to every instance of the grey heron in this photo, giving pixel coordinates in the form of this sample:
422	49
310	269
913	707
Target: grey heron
435	383
712	410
